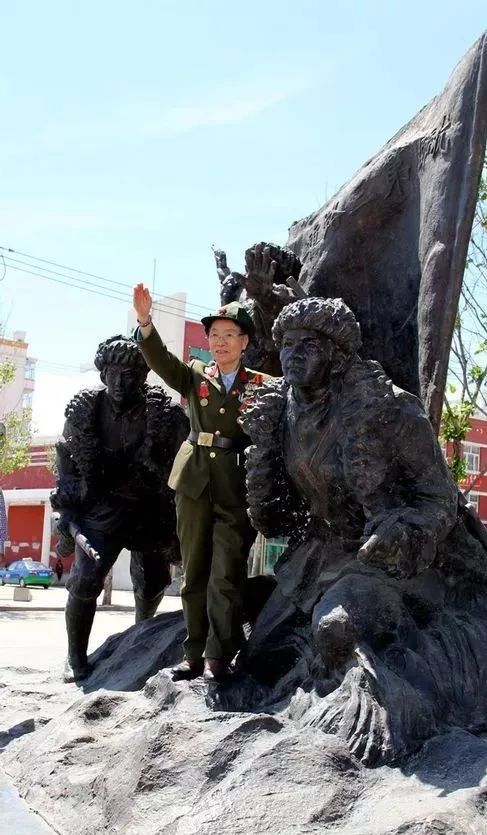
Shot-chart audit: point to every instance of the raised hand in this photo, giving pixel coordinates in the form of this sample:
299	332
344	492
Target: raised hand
142	302
261	271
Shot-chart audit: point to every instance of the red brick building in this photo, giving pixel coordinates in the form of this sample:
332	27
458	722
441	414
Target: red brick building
29	516
475	454
195	342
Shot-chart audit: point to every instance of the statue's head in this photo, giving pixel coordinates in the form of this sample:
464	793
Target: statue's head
316	339
122	368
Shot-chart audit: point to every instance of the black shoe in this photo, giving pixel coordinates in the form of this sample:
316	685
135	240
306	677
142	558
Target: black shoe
75	672
216	671
187	670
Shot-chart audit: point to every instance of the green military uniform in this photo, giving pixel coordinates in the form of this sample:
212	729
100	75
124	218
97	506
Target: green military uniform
208	476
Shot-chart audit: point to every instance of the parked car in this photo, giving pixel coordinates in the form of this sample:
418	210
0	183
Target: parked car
27	572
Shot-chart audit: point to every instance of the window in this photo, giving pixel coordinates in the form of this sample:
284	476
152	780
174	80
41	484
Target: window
27	400
471	456
273	550
30	369
265	553
473	499
200	354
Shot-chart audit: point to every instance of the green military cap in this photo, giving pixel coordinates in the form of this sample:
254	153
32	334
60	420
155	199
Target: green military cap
234	311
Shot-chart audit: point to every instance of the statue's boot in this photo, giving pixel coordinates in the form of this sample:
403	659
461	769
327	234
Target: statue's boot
79	620
145	609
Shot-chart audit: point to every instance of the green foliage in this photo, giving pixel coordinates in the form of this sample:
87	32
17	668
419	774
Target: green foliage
458	468
468	365
7	373
476	373
51	459
456	421
14	446
454	427
15	439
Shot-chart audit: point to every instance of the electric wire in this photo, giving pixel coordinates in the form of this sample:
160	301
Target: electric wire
126	299
79	272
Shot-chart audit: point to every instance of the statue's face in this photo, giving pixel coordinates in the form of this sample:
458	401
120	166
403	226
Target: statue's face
306	358
123	382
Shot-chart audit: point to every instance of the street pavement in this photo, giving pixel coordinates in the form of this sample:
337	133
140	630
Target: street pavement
33	634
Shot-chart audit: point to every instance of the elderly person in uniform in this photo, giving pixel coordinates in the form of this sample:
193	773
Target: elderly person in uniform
208	477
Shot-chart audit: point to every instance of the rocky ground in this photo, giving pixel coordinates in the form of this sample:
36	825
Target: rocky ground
124	757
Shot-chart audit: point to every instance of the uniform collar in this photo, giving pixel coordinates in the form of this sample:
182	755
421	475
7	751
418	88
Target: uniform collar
212	374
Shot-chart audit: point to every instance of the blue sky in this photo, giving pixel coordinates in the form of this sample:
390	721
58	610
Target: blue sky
134	131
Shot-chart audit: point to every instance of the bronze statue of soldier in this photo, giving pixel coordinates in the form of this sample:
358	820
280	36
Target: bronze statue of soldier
380	607
113	463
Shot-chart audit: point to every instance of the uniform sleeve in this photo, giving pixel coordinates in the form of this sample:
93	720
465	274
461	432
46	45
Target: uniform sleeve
171	369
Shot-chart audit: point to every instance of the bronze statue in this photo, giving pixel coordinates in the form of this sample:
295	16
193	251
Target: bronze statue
392	242
113	464
384	579
263	290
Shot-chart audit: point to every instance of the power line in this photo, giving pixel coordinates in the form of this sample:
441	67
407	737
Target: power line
125	298
79	272
18	363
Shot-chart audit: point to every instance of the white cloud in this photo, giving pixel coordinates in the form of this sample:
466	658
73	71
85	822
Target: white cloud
154	120
52	394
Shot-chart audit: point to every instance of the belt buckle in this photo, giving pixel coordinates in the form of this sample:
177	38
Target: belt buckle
205	438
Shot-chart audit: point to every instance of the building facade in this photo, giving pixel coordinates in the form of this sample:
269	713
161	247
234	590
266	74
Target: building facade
17	395
474	450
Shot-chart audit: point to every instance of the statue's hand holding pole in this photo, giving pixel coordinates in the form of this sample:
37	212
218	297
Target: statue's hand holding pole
389	543
81	540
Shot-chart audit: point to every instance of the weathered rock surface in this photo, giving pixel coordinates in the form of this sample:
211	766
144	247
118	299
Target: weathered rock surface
159	761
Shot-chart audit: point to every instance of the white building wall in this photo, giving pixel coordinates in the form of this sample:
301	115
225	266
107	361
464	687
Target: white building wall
12	395
121	580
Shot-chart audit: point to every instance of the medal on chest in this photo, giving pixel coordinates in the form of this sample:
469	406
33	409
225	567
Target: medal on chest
250	387
204	393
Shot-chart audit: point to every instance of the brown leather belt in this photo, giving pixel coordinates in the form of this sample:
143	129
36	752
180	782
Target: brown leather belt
210	439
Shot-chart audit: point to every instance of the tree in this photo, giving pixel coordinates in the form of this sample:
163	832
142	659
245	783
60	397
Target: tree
467	389
14	441
14	430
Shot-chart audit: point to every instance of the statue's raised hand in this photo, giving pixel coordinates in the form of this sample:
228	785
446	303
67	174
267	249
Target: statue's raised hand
142	302
261	271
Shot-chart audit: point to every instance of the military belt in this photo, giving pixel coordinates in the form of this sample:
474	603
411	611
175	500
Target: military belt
211	439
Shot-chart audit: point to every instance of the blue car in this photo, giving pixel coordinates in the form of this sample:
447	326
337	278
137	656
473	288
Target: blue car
27	572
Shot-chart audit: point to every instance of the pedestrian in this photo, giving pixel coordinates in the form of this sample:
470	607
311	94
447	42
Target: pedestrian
208	477
59	569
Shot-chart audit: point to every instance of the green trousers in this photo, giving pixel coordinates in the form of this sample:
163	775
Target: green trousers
215	543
